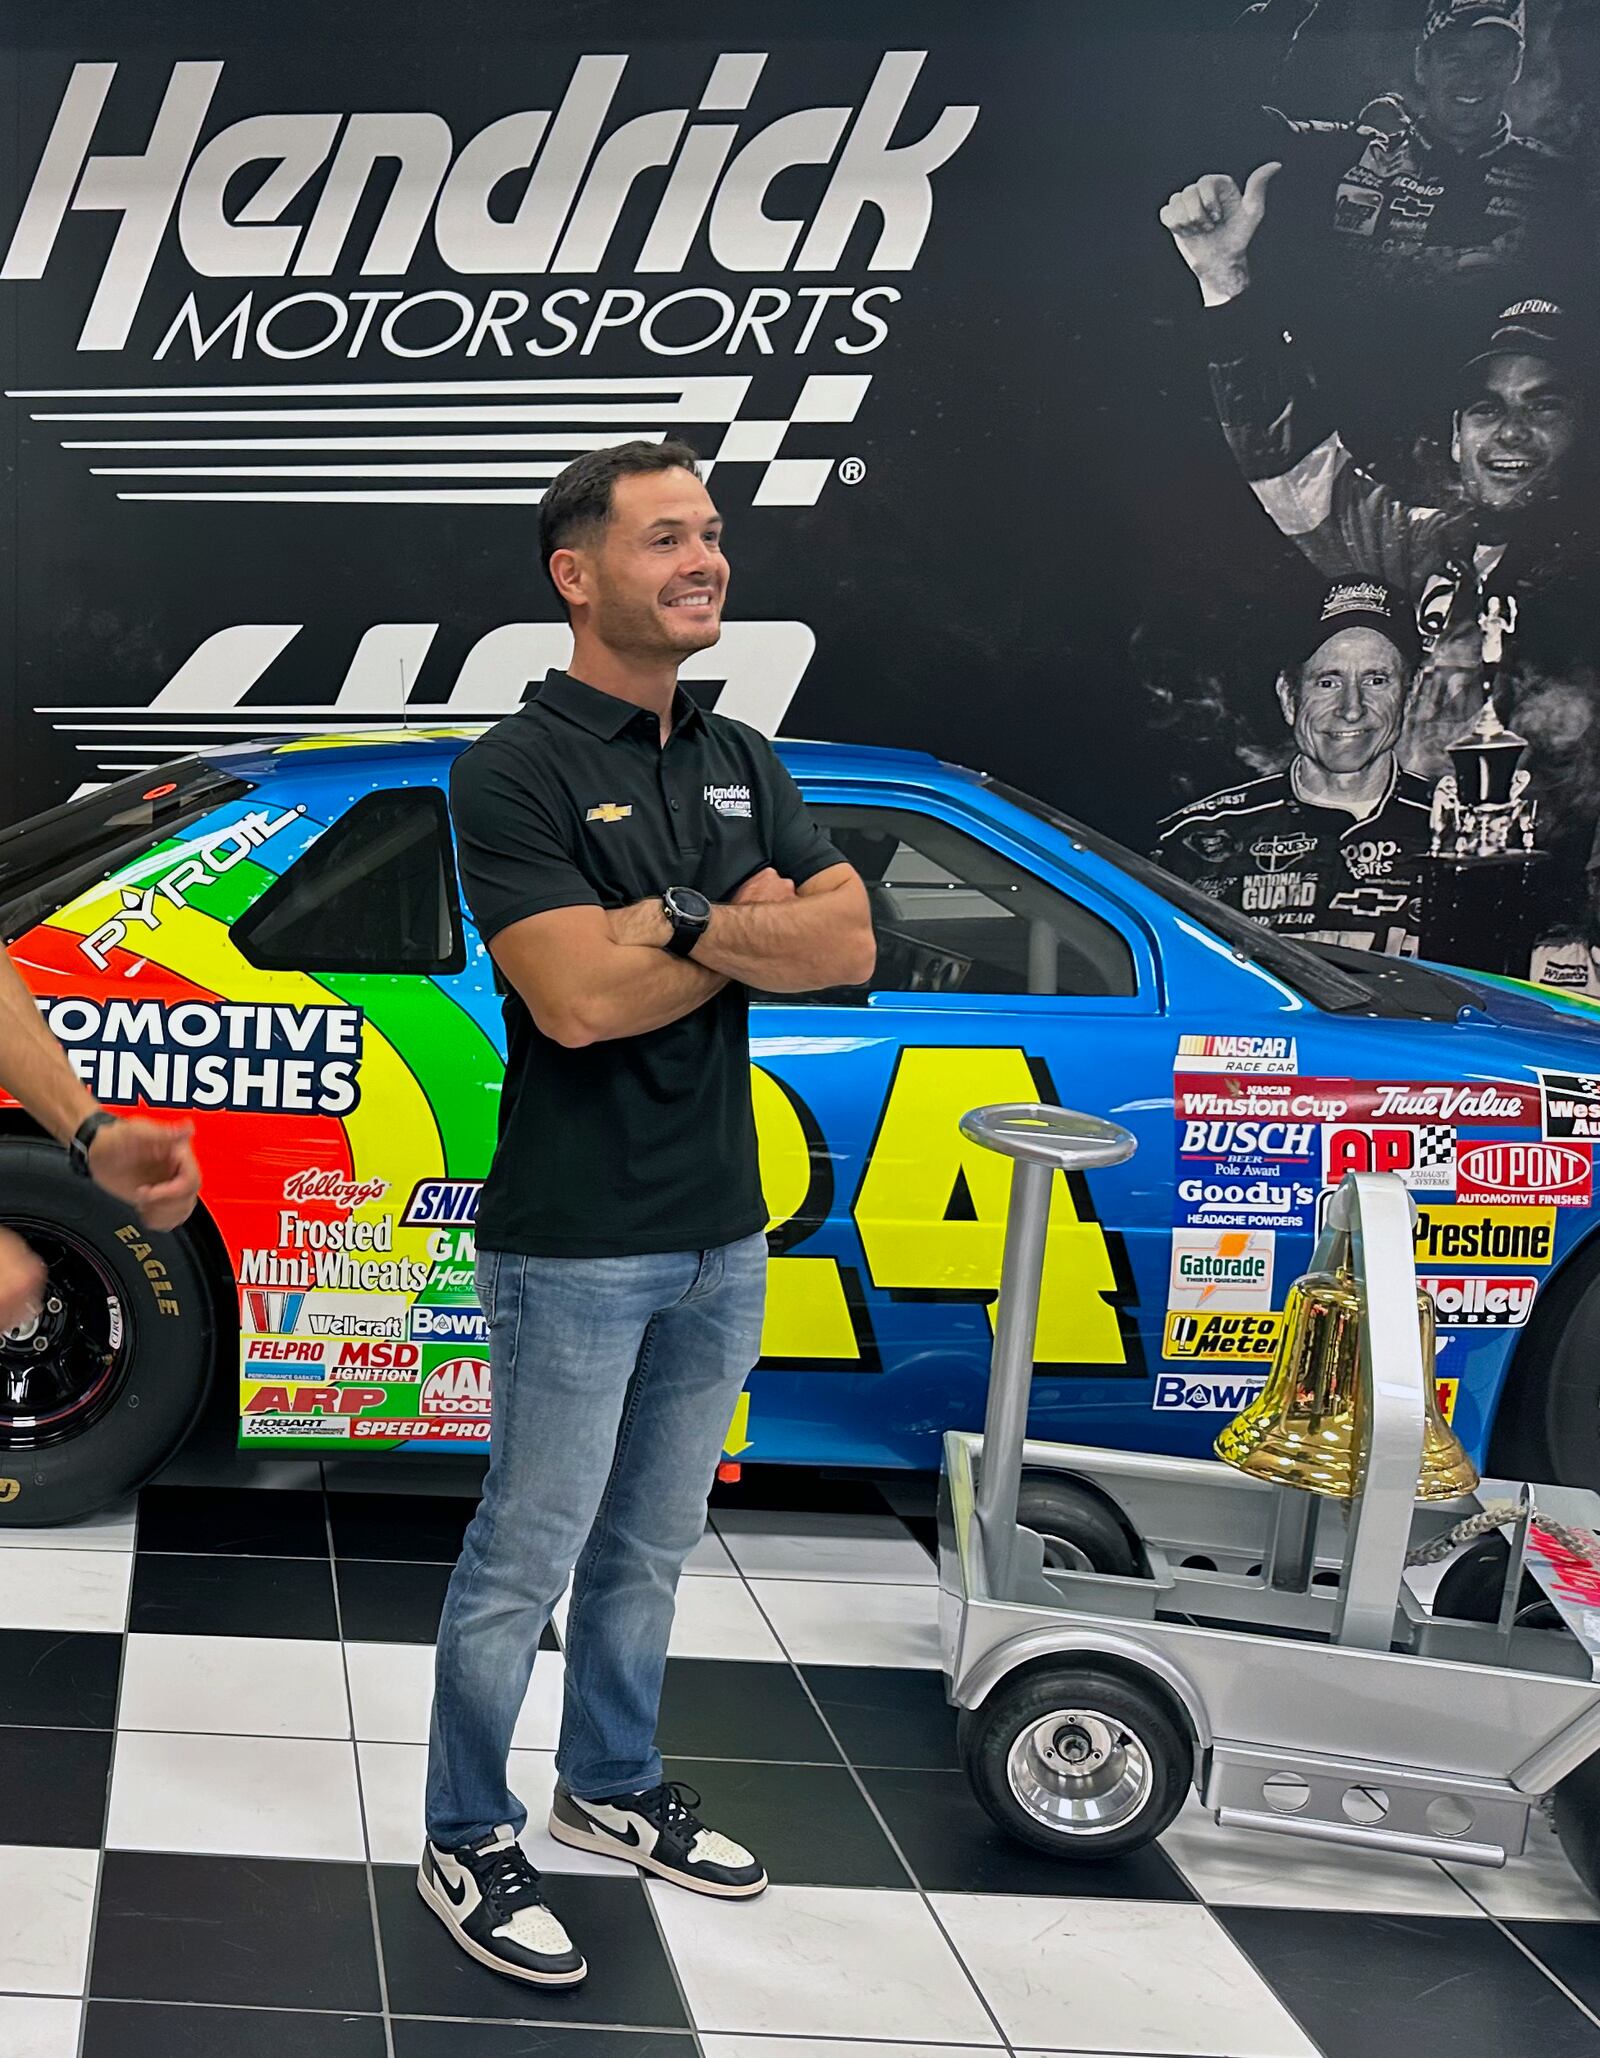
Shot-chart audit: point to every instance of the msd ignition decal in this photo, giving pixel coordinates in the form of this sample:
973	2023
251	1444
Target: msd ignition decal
1558	1175
1246	1174
1221	1268
1470	1300
1569	1106
1422	1154
263	1057
182	868
412	309
1236	1054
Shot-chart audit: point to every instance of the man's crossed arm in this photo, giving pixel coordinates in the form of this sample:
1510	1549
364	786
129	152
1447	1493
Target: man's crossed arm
589	975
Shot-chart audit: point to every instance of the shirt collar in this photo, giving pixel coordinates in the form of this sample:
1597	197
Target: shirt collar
604	714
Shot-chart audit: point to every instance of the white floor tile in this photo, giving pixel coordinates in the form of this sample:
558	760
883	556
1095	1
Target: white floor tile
826	1623
820	1962
234	1686
1251	1868
826	2047
1540	1886
65	1589
46	1909
709	1559
259	1797
39	2029
391	1691
393	1779
110	1530
805	1546
1145	1976
716	1618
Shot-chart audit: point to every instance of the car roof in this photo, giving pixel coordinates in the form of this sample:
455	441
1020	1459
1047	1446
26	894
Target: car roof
358	749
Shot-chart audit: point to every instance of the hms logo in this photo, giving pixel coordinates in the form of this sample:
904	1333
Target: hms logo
609	811
729	800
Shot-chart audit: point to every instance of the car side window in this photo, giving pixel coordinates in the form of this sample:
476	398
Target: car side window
953	916
376	892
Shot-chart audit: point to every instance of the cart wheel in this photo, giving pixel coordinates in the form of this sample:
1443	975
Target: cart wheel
1081	1763
1080	1532
1470	1591
1577	1814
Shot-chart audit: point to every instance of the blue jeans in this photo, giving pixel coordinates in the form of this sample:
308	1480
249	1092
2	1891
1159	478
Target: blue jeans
614	1381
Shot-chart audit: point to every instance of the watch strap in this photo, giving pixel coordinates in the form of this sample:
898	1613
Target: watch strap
84	1135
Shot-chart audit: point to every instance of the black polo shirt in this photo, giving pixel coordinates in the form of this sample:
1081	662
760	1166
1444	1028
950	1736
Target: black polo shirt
641	1143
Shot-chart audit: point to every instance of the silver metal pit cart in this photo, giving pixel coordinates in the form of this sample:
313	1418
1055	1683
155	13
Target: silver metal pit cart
1118	1626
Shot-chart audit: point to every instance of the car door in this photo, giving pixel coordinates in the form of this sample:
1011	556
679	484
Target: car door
1003	974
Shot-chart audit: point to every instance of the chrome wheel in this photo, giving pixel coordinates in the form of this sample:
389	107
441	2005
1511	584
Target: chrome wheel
1080	1773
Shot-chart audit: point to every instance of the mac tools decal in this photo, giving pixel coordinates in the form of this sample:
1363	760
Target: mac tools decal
300	346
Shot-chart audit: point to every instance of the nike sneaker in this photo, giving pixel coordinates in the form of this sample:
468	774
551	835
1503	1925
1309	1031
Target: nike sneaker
488	1896
660	1832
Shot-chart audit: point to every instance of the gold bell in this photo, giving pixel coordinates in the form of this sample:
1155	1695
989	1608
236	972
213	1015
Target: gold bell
1309	1426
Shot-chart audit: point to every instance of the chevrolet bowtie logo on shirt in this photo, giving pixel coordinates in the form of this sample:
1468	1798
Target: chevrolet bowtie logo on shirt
609	811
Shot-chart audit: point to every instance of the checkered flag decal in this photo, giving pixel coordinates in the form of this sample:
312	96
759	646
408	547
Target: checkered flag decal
1436	1145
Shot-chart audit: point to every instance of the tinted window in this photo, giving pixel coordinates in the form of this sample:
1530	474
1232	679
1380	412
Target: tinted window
953	916
376	892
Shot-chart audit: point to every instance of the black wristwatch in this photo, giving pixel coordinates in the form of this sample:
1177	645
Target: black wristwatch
689	912
88	1129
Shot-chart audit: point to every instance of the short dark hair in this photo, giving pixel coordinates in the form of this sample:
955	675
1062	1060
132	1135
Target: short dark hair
577	502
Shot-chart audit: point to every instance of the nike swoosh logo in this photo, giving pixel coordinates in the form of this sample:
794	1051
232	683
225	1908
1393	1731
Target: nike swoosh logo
616	1834
456	1896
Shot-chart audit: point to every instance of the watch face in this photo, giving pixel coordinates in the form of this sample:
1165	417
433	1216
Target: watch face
689	904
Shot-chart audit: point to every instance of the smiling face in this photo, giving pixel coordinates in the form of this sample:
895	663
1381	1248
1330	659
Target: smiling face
1512	439
652	582
1465	75
1346	704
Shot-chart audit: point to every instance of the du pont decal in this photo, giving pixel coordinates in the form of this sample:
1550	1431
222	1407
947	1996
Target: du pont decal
1558	1175
263	1056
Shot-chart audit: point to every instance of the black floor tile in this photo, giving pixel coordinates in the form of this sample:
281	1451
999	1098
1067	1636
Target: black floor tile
887	1714
58	1679
725	1708
236	1521
430	1975
386	1603
122	2029
1572	1952
241	1932
953	1848
799	1486
1409	1986
221	1596
526	2040
53	1786
376	1525
806	1823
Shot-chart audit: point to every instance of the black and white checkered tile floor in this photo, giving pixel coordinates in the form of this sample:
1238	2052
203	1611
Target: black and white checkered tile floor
211	1772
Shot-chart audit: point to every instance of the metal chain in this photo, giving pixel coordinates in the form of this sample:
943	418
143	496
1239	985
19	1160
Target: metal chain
1496	1516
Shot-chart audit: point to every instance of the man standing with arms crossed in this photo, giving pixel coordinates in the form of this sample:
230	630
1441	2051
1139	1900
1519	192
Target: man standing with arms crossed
634	865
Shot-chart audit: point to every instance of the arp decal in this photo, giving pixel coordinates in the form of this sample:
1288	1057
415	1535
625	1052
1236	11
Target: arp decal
1422	1154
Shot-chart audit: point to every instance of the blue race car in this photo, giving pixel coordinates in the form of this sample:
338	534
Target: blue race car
271	939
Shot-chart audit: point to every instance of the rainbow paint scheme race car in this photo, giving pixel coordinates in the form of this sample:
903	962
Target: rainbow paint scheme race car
269	940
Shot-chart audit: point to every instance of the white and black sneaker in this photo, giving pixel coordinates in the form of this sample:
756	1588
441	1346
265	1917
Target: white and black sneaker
487	1895
659	1831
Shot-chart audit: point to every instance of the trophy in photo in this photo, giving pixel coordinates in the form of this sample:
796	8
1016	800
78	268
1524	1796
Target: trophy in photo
1477	893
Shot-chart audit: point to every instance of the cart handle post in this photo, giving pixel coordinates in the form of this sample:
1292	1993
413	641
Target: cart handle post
1380	1216
1040	1141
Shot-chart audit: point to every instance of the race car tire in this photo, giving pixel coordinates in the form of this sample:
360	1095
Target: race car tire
1077	1760
1577	1813
1548	1423
1080	1533
1470	1591
97	1395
